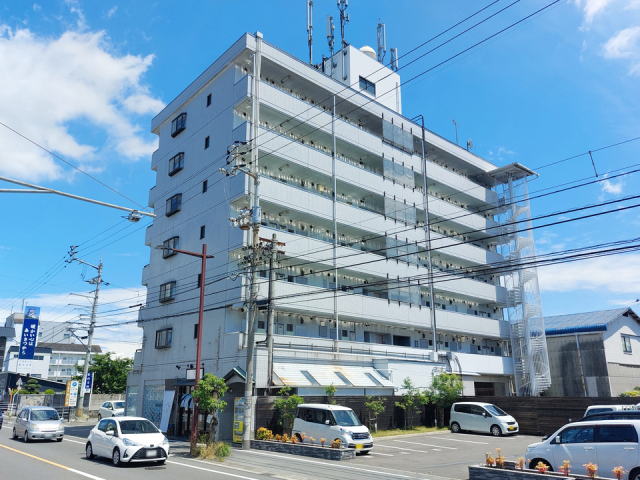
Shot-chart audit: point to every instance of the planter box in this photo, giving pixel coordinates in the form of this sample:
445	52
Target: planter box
305	450
510	473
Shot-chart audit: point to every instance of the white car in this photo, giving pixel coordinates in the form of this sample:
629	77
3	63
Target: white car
332	422
481	417
110	409
126	440
607	443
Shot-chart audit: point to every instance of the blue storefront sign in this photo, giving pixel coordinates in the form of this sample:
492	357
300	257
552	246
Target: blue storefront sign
87	385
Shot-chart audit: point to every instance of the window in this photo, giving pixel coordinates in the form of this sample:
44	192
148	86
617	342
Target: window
323	331
577	435
176	164
261	325
167	291
38	357
462	408
205	186
289	328
208	100
202	231
367	86
36	375
173	204
178	124
617	433
66	335
476	410
195	331
163	338
206	143
169	245
626	344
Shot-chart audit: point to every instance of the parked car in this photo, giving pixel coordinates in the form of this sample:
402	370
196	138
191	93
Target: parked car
607	443
609	408
481	417
0	420
110	409
126	440
332	422
42	423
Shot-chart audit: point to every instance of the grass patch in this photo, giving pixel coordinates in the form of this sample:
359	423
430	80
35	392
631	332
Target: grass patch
214	451
402	431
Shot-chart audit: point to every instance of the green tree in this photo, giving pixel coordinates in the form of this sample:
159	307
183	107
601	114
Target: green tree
31	387
330	392
49	391
375	406
412	400
443	392
109	373
286	405
207	393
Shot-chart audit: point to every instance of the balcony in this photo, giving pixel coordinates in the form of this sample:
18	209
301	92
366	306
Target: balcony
145	275
148	237
152	197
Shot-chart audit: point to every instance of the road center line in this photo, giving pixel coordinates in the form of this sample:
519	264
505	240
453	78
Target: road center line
425	444
457	440
84	474
210	470
328	465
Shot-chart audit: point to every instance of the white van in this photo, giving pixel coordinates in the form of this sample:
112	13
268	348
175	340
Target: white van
609	408
481	417
608	443
332	422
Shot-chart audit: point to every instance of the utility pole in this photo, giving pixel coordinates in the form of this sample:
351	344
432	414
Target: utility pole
271	306
203	270
94	281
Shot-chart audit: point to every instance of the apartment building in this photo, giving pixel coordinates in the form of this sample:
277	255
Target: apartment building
367	213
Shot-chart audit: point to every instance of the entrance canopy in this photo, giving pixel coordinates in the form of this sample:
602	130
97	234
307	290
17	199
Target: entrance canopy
300	375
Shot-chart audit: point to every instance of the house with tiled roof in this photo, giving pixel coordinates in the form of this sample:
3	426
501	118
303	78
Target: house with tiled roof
593	354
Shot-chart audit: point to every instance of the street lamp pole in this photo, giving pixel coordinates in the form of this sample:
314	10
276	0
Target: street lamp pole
203	269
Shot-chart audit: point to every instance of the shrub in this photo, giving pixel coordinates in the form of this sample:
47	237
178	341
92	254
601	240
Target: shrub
264	434
217	450
49	391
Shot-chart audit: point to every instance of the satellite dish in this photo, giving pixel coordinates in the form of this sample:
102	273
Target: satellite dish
469	144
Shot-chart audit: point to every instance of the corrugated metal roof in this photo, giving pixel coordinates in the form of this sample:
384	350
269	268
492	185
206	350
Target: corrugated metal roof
296	375
585	322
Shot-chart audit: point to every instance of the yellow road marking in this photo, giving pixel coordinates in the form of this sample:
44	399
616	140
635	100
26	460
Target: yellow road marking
33	456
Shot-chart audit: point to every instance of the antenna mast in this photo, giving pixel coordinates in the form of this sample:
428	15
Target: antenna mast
344	19
456	125
394	59
310	29
330	28
382	42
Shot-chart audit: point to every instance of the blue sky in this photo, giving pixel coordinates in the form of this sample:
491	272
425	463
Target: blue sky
84	79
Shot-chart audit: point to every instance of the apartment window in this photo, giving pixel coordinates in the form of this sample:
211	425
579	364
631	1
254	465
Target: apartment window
66	335
176	164
195	331
261	326
38	357
202	232
173	204
167	291
199	280
205	186
178	124
367	86
163	338
169	245
208	100
36	375
626	344
289	328
206	143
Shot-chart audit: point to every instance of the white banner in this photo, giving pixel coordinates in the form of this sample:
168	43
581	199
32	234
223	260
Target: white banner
24	366
167	403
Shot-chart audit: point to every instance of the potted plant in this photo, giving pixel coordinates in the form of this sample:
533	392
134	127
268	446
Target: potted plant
278	438
592	469
619	472
285	438
542	467
499	459
322	440
565	468
336	443
489	461
520	463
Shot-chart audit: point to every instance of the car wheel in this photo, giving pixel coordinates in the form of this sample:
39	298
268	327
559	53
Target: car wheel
161	462
59	439
99	417
117	462
495	431
298	437
634	474
26	437
14	435
88	450
535	461
455	427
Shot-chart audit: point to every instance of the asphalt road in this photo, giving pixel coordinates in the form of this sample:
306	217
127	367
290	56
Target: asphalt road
438	456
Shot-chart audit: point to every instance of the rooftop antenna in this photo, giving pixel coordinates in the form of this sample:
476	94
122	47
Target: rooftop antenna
330	28
344	19
394	59
382	42
456	125
310	29
469	144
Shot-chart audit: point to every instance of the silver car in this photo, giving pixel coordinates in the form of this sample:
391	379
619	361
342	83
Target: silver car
41	423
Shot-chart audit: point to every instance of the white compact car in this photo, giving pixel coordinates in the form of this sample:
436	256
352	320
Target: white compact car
481	417
607	443
332	422
111	409
127	439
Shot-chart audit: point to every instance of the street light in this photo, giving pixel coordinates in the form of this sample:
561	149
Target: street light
203	256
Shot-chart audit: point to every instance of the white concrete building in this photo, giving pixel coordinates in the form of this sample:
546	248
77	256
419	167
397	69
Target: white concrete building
343	188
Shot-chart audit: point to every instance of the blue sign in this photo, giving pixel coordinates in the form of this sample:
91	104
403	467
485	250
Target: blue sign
29	333
87	385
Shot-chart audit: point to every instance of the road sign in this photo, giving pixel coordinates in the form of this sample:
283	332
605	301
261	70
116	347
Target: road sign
67	393
71	396
88	384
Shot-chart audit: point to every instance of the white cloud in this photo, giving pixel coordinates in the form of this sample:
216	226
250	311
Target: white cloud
623	44
112	12
591	8
613	188
36	7
612	275
50	83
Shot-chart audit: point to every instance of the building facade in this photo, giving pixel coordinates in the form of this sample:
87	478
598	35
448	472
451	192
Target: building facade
594	354
368	205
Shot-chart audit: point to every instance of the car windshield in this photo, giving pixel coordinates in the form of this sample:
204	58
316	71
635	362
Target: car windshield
44	415
346	418
129	427
497	411
118	404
